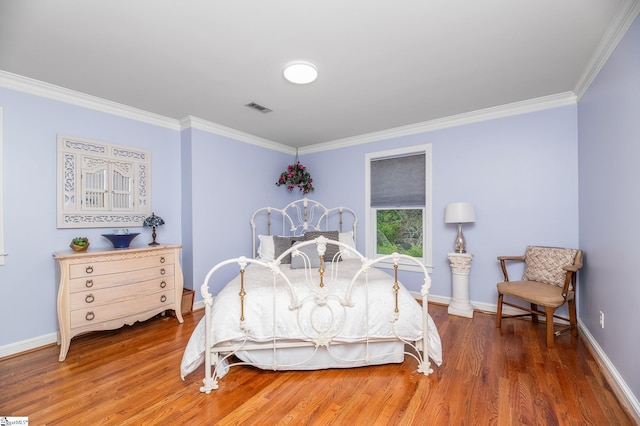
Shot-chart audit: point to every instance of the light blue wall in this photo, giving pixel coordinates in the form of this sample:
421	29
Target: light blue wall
28	284
609	132
229	180
521	173
185	204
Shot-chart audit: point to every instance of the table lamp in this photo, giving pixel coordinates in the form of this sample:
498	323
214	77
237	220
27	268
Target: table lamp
460	213
153	221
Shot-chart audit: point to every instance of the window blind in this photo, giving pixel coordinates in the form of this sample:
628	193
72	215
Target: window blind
398	181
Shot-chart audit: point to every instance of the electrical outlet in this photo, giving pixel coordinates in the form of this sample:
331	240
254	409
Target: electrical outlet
601	319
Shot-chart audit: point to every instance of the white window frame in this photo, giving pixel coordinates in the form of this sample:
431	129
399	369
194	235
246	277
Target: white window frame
370	213
120	197
2	252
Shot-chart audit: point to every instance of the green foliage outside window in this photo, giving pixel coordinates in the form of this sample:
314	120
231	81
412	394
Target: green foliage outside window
399	230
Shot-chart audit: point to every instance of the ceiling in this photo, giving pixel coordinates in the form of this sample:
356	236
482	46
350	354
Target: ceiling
382	64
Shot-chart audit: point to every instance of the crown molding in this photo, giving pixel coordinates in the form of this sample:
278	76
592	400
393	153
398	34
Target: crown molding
218	129
507	110
628	12
625	16
51	91
46	90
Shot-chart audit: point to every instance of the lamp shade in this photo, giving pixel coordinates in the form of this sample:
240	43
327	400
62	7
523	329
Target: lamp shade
153	220
459	213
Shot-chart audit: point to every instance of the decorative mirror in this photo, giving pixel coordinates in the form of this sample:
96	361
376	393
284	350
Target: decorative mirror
102	185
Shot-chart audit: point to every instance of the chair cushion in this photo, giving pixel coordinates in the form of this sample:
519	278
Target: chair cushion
544	264
535	292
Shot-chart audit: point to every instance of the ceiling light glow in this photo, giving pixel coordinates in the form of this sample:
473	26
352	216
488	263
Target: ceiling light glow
301	72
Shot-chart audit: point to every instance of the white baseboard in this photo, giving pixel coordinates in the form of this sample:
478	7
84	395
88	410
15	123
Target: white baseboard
478	306
36	342
432	298
27	345
617	383
615	380
198	305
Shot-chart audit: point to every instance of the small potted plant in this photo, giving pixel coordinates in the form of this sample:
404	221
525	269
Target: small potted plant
80	244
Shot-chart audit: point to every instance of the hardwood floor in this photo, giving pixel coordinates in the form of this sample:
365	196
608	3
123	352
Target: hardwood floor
489	376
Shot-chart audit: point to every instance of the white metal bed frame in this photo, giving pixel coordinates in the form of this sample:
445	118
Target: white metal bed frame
300	216
297	218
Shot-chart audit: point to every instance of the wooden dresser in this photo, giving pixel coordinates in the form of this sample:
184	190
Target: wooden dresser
104	290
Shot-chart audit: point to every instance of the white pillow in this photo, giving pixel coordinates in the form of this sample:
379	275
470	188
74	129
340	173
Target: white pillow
347	238
266	248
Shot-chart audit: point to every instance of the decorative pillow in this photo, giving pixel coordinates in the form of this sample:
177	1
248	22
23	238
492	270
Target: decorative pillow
282	244
332	249
297	262
347	238
544	264
266	248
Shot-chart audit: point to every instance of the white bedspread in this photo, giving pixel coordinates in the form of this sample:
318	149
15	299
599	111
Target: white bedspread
267	317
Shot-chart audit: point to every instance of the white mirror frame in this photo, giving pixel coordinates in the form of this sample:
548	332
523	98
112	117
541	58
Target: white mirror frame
101	185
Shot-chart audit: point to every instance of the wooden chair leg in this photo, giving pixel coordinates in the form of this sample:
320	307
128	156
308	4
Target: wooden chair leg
573	317
550	337
499	311
534	317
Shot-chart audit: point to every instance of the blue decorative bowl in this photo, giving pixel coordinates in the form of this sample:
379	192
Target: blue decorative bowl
121	240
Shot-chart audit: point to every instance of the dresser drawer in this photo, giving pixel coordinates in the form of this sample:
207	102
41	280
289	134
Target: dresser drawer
128	304
111	280
100	267
104	296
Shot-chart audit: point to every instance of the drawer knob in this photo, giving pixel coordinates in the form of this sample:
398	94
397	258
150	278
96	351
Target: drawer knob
89	269
90	316
89	298
162	271
163	284
162	260
163	298
89	283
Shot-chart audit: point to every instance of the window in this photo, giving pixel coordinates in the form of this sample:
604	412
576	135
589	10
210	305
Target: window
2	252
398	197
101	185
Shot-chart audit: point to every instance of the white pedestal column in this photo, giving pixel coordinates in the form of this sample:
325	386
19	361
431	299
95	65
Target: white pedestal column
460	268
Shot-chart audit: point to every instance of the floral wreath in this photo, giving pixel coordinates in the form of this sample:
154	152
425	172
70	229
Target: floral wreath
296	175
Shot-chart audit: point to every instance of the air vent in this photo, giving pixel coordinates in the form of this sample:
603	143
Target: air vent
258	107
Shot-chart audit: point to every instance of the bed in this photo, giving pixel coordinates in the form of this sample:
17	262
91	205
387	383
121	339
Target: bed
306	299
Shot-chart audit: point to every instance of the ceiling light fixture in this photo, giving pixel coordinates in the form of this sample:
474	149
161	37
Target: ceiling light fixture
301	72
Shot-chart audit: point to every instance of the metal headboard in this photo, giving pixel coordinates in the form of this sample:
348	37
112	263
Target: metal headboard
301	216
